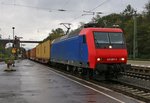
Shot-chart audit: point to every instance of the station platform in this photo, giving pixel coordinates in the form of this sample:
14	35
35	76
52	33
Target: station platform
139	63
36	83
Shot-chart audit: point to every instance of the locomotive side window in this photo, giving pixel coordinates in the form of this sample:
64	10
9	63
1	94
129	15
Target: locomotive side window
84	39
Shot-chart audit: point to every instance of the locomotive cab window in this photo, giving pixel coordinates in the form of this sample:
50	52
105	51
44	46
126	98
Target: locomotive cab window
84	39
116	38
103	39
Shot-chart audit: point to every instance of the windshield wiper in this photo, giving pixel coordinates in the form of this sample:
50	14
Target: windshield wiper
97	44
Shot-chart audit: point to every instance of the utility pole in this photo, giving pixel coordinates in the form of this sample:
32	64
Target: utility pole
135	44
0	34
14	49
13	32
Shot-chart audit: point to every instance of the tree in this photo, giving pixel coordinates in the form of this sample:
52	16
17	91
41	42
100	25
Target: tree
56	33
129	11
5	54
1	53
147	7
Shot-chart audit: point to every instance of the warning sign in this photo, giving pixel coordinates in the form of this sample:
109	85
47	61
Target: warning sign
13	50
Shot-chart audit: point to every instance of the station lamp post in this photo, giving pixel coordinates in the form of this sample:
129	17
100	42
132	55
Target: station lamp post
13	32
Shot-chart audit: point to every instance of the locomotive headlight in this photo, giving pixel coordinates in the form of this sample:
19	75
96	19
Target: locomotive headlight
110	46
122	59
98	59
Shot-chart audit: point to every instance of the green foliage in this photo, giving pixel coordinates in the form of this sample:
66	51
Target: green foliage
9	59
5	54
147	7
1	53
55	34
128	12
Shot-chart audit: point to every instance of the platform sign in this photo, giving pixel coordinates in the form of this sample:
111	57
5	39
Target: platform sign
13	50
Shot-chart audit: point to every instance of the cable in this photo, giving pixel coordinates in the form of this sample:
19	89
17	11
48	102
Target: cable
76	18
28	6
99	5
34	7
65	3
92	9
61	10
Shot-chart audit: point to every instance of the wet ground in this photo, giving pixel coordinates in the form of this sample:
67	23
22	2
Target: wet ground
35	83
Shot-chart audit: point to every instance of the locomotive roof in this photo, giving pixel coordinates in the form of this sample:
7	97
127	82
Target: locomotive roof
85	30
71	34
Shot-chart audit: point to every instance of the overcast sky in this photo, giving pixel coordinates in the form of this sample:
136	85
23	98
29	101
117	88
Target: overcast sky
34	19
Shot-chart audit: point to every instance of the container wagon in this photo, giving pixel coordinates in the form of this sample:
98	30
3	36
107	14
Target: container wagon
43	52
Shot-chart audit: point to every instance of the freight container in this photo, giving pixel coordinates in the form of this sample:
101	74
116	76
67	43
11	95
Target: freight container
28	54
38	52
33	53
43	52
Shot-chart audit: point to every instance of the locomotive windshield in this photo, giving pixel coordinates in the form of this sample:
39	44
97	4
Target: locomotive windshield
116	38
108	38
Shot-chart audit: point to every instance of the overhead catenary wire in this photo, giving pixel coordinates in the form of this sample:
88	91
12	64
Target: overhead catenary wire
76	18
60	9
67	1
27	6
99	5
90	10
39	8
52	10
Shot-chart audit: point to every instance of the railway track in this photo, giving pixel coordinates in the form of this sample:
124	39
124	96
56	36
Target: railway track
135	83
140	70
137	75
131	90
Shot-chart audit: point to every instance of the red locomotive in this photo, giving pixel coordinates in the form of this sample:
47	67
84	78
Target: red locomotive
107	52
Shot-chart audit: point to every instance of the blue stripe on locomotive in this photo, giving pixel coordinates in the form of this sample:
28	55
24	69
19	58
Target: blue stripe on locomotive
70	49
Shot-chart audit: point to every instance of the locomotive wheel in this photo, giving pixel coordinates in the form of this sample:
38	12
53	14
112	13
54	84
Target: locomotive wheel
68	68
74	70
99	75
